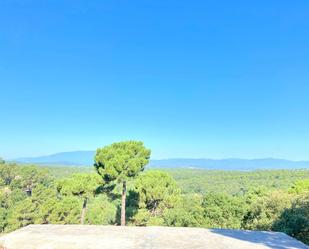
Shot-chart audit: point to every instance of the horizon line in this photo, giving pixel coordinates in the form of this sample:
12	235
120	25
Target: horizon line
166	158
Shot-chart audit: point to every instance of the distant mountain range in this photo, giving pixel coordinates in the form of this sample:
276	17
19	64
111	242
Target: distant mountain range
85	158
73	158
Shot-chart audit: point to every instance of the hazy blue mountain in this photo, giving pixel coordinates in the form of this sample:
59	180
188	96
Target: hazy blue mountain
74	158
82	158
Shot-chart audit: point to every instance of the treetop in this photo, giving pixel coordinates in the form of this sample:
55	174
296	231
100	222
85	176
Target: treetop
121	160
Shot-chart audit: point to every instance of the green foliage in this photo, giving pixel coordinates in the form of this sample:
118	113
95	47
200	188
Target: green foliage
295	220
234	182
188	212
23	213
223	211
64	211
20	208
141	218
8	172
101	211
3	219
300	186
157	190
27	210
81	185
265	210
120	161
178	217
14	196
29	177
262	200
60	172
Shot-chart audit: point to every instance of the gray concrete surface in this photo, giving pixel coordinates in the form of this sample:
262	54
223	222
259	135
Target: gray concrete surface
113	237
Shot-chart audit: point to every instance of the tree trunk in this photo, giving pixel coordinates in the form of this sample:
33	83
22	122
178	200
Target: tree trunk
82	219
123	203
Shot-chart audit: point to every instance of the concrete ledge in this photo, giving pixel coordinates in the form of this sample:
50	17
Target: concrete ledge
114	237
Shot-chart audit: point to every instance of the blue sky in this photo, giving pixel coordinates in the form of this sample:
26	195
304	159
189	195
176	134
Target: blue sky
212	79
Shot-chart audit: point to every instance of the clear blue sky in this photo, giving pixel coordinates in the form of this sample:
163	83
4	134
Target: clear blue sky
212	79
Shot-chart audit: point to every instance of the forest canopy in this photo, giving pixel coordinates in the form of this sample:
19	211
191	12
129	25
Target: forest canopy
257	200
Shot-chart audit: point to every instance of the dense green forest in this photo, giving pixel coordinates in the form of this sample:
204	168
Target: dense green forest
258	200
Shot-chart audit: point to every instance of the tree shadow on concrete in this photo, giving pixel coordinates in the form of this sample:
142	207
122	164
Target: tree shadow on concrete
273	240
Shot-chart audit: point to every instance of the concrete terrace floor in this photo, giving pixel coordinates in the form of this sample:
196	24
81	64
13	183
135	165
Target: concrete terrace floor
115	237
